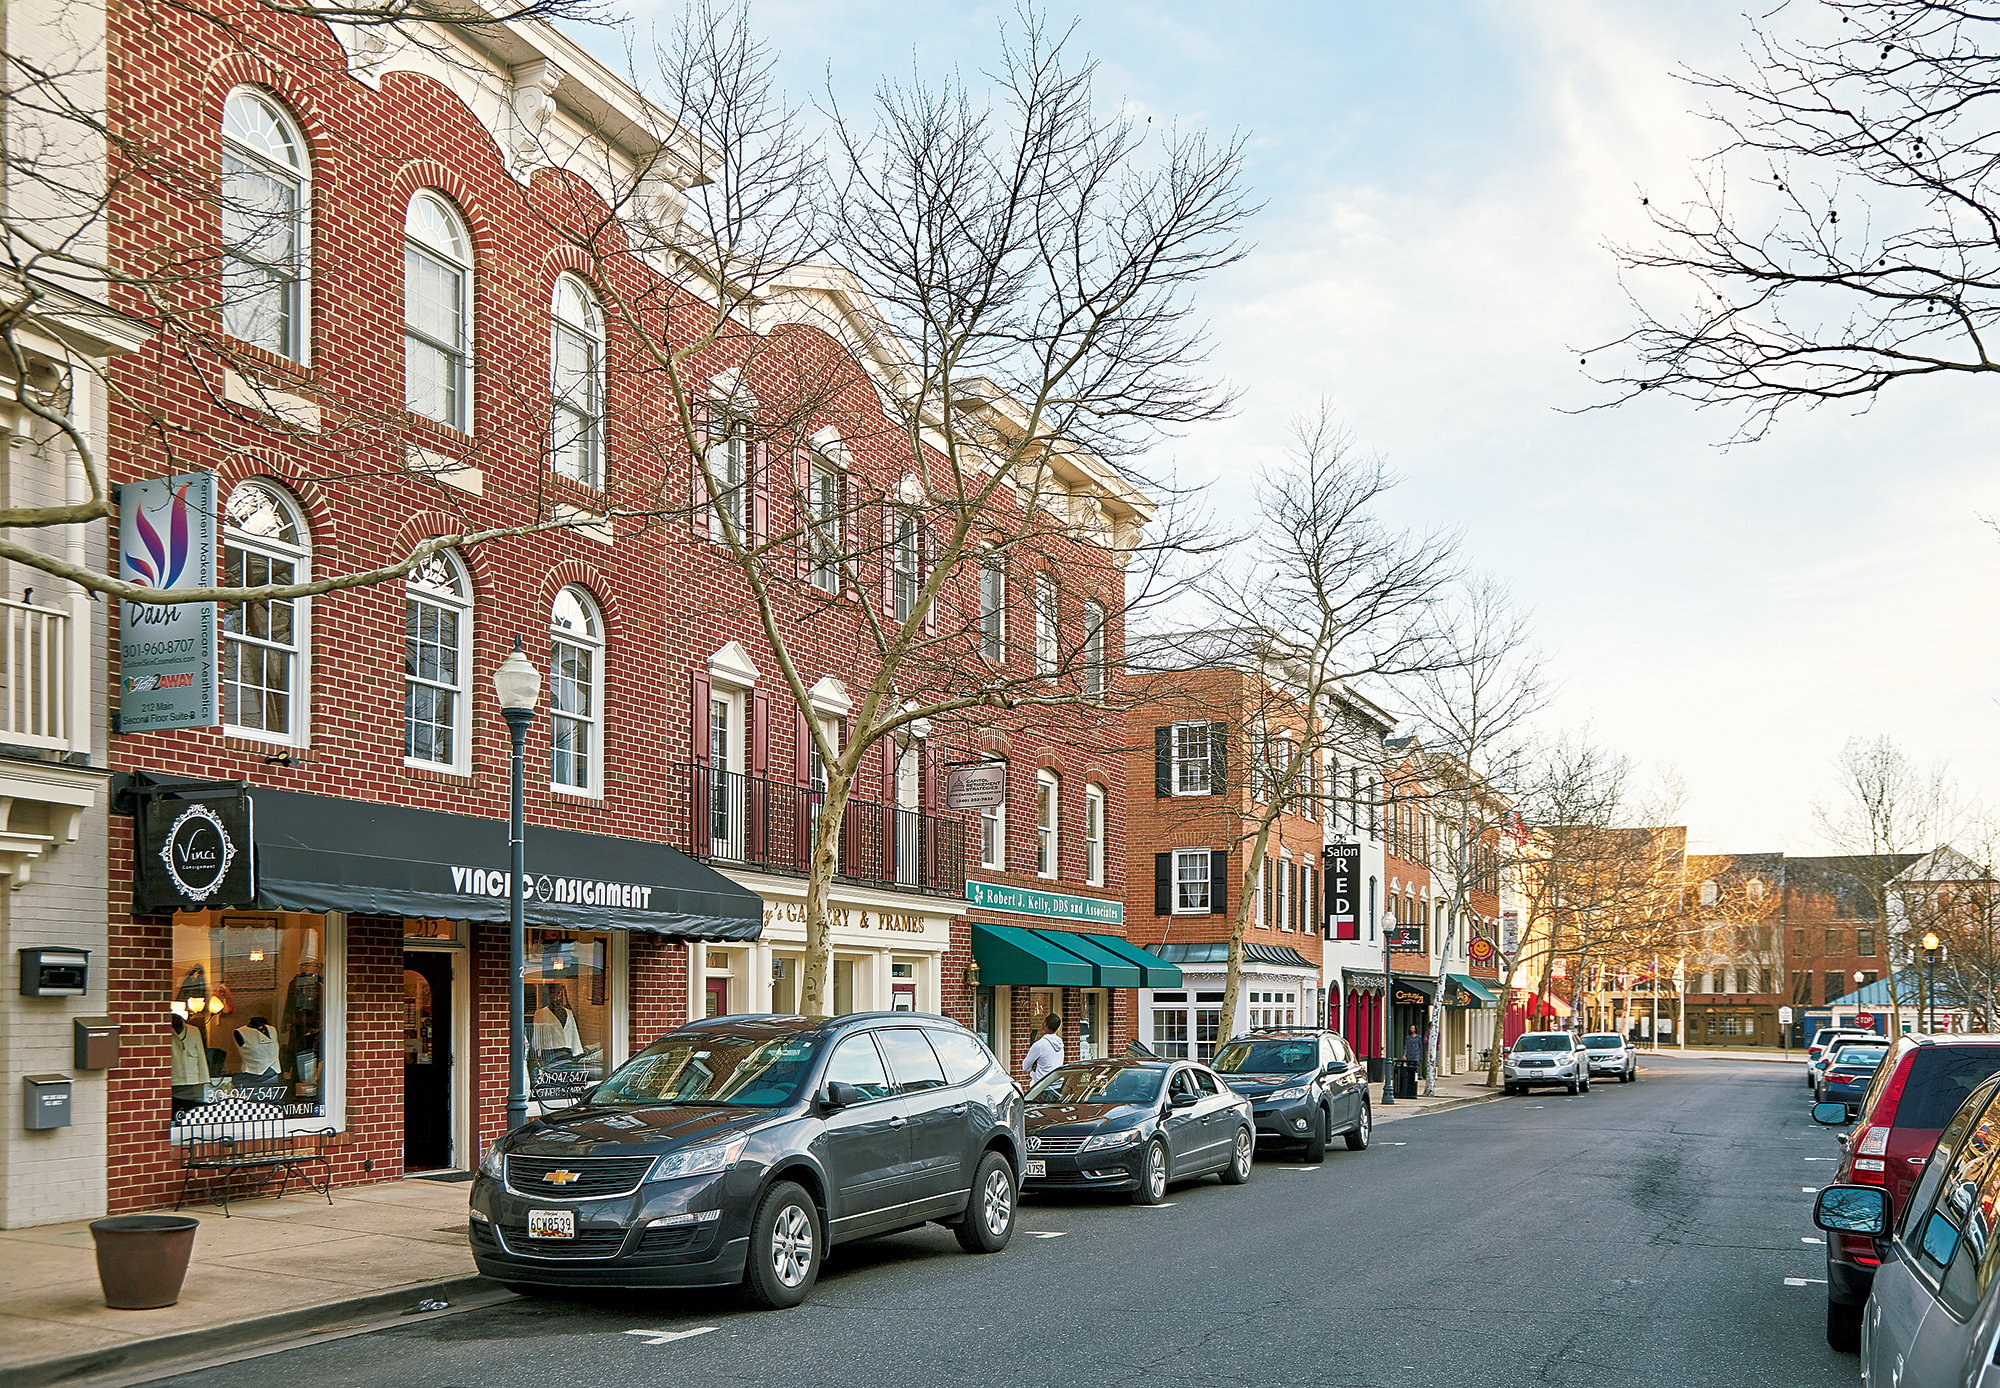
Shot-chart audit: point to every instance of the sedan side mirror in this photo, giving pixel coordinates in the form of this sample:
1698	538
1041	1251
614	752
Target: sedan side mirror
1184	1100
1853	1210
839	1095
1831	1115
1506	1050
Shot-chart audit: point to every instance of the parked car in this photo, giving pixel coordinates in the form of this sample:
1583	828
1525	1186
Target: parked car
1612	1056
1918	1086
740	1149
1846	1077
1135	1125
1824	1038
1923	1323
1305	1084
1546	1057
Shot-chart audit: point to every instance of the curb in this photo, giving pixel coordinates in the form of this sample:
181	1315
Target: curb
119	1363
1466	1102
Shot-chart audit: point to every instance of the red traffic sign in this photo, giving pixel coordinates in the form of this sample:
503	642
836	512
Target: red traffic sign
1864	1019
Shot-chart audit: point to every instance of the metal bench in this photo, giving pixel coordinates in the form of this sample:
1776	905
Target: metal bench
230	1151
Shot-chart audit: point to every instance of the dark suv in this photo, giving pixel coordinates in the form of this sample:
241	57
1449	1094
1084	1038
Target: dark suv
739	1149
1917	1088
1306	1085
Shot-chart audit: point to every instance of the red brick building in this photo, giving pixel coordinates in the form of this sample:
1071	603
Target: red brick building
422	353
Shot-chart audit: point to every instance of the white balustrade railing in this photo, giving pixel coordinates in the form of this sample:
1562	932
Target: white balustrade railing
36	670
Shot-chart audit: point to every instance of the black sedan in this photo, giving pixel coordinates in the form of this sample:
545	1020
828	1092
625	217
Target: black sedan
1135	1125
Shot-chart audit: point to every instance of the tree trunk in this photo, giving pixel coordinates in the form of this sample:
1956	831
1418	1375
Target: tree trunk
815	982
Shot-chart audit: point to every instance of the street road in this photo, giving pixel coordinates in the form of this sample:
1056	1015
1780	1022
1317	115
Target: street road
1638	1234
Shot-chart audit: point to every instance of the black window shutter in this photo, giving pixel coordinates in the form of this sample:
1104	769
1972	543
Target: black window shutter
1163	884
1163	761
1218	880
1218	758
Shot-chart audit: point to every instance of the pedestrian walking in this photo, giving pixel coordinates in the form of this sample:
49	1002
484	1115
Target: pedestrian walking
1413	1050
1046	1053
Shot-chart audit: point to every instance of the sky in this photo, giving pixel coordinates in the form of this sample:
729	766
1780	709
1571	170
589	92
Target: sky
1440	183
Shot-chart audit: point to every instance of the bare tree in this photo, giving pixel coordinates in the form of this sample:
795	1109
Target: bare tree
1843	238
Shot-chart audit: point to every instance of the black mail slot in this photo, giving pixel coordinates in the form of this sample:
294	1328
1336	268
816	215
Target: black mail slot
49	972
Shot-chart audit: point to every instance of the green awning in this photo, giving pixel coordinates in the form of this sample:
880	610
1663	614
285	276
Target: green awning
1482	996
1155	972
1012	957
1113	970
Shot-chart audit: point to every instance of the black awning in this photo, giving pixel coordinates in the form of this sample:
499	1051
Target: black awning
318	853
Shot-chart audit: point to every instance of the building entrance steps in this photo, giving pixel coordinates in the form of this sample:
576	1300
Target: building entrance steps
265	1271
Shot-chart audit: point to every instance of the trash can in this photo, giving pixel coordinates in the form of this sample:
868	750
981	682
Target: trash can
141	1259
1406	1079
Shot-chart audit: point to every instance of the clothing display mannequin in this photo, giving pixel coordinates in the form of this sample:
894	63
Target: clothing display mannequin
190	1059
302	1024
257	1043
555	1025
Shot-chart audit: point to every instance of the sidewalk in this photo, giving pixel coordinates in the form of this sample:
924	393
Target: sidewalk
1453	1091
264	1271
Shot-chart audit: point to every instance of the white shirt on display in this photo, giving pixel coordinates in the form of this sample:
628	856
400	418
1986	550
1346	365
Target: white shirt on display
1043	1056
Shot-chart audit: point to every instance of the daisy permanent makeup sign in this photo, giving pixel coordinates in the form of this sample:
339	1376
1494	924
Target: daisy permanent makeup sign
166	651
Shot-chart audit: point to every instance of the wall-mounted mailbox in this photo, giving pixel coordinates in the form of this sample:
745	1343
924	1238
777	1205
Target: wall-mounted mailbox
96	1043
55	973
45	1100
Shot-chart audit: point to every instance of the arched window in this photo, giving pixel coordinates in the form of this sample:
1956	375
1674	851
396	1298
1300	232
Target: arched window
576	421
437	313
576	693
264	643
437	649
266	182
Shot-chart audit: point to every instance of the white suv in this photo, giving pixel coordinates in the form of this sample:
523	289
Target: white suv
1546	1057
1611	1056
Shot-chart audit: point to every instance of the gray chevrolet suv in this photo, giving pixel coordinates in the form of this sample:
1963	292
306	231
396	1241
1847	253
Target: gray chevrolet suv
740	1149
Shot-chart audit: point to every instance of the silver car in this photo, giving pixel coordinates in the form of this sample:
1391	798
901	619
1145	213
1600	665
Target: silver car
1937	1267
1611	1056
1544	1058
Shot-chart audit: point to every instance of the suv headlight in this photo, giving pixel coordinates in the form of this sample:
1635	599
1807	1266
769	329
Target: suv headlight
699	1161
490	1164
1124	1137
1297	1091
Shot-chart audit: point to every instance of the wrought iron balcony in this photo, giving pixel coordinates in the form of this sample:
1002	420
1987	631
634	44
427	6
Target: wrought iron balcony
767	824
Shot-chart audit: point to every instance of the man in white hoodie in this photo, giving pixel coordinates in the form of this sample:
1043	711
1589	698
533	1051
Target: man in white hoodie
1046	1053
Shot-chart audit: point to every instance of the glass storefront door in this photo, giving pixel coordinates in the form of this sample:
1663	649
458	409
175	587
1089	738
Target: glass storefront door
427	1060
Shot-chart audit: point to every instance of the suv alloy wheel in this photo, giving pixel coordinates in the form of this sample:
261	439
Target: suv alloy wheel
989	1213
784	1248
1357	1136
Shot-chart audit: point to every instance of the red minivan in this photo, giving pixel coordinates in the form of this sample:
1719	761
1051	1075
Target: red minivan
1919	1086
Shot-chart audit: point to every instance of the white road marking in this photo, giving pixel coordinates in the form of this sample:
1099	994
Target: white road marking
1392	1144
1163	1205
1038	1234
1804	1239
1822	1158
1809	1190
1804	1281
667	1337
1300	1168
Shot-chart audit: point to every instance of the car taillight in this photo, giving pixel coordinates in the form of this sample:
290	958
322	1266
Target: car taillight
1872	1142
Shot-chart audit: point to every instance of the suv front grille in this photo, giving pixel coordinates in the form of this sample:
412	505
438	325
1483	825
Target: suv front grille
588	1243
577	1178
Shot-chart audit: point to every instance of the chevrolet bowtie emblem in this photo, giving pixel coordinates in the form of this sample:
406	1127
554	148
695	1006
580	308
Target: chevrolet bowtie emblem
561	1178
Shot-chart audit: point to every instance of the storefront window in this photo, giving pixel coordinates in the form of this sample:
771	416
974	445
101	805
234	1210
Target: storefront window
1176	1023
567	979
843	987
248	1015
784	983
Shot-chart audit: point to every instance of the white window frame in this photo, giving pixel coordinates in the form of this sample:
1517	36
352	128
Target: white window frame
824	525
1096	671
1048	635
454	599
1181	877
296	552
576	423
284	160
590	641
993	606
1093	835
993	837
450	252
1284	885
1048	819
906	560
729	472
1187	766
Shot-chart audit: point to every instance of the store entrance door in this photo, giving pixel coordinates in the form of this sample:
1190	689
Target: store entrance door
718	997
427	1060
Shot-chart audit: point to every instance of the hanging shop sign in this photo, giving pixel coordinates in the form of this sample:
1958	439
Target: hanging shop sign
1406	937
976	785
1510	933
1406	994
1343	891
167	651
194	851
1480	950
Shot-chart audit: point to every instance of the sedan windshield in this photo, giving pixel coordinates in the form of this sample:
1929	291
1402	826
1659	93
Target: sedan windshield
744	1069
1098	1084
1603	1043
1267	1057
1546	1041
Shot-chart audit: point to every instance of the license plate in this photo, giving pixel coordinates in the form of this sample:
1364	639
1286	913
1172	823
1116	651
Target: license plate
1037	1168
551	1224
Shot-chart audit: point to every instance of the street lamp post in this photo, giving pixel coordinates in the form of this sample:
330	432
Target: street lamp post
1388	999
1931	944
518	684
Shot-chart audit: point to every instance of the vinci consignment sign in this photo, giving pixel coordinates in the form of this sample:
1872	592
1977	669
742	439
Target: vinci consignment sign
166	651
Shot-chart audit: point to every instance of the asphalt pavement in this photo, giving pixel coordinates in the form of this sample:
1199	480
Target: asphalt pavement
1646	1233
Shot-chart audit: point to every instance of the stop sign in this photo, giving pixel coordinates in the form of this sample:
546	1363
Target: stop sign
1864	1019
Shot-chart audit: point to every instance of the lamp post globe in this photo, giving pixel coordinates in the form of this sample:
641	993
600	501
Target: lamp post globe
1931	944
517	684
